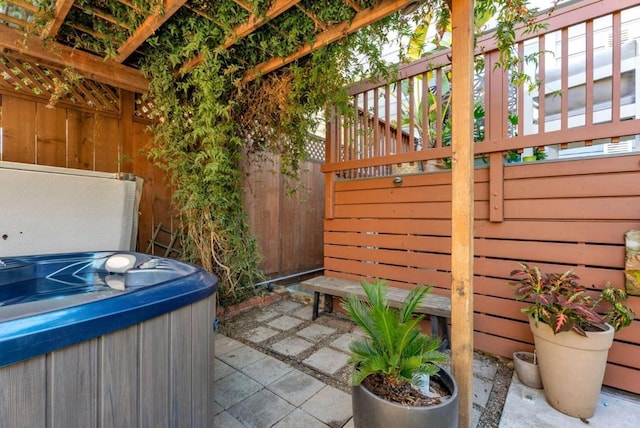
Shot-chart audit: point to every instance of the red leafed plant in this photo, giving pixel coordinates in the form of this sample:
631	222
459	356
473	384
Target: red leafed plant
559	301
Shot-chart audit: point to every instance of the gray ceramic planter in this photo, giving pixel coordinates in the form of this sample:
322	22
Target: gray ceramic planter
371	411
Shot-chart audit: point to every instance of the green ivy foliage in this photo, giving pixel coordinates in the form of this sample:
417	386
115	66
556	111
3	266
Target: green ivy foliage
207	119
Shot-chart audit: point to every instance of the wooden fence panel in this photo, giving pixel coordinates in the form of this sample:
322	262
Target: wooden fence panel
565	214
288	227
18	130
51	131
81	141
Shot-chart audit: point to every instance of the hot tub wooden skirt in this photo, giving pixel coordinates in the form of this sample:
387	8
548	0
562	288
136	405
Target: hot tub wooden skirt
158	373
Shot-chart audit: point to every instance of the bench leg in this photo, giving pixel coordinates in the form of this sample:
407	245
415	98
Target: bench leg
328	303
440	328
316	303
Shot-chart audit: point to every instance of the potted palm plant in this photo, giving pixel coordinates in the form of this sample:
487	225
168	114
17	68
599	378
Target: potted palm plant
396	380
572	338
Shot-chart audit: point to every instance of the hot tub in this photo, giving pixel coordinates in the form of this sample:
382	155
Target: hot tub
105	339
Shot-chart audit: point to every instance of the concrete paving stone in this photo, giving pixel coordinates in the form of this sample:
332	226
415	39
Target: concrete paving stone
316	332
306	313
299	418
481	391
234	388
291	346
224	344
528	408
216	408
327	360
358	331
296	387
285	322
259	334
484	368
330	405
261	410
225	420
342	343
349	424
286	306
221	369
475	417
267	370
266	315
241	357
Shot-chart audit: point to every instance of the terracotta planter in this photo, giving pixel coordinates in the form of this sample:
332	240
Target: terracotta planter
371	411
527	369
572	367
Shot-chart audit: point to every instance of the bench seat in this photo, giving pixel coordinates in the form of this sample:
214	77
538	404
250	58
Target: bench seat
434	305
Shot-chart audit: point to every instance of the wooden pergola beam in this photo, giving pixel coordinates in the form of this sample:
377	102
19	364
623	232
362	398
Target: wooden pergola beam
333	34
243	4
243	30
23	4
61	10
87	65
147	28
353	5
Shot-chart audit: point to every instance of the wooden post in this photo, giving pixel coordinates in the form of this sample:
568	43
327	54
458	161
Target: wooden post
462	206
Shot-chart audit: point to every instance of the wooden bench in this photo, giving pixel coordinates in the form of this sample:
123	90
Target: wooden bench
434	305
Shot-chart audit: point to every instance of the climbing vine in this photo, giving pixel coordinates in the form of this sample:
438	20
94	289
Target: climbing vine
208	117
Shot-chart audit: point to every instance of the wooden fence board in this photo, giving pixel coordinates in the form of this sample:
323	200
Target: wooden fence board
108	145
392	257
80	140
583	254
51	132
567	186
605	208
569	230
502	327
18	130
622	378
406	226
435	244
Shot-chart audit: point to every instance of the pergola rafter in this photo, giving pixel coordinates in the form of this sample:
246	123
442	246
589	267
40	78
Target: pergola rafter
62	9
332	34
148	27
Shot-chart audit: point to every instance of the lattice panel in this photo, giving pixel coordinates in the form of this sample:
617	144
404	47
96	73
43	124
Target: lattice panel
143	107
315	148
49	83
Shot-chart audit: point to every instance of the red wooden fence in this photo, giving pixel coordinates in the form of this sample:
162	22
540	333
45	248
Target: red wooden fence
569	211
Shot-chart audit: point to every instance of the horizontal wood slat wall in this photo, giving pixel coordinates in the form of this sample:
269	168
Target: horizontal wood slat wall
557	215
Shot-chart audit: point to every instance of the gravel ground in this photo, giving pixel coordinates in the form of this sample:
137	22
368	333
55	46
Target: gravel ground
237	325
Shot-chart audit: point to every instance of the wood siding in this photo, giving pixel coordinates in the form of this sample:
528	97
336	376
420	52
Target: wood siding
158	373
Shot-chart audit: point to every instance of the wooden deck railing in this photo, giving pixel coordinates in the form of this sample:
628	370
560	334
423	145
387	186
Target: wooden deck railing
413	112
